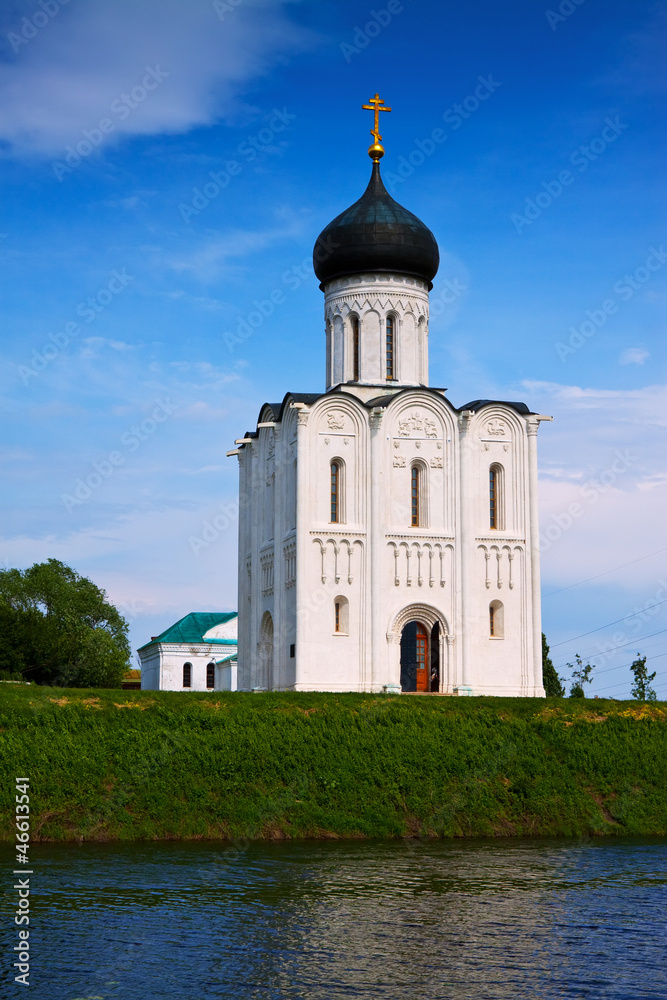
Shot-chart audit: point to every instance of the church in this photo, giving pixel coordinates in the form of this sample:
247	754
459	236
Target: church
388	540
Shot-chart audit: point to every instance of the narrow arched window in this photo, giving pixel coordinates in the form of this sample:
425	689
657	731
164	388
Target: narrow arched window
415	491
336	492
356	348
390	349
495	497
496	620
210	675
418	495
341	616
187	675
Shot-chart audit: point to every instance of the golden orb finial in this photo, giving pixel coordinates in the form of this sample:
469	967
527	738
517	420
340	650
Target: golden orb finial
376	151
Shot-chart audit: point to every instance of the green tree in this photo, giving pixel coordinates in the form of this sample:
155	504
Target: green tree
59	628
550	679
581	674
642	689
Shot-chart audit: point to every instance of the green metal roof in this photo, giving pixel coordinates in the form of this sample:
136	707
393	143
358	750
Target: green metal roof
226	659
194	626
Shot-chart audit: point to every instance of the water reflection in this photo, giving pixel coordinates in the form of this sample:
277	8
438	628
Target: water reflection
508	919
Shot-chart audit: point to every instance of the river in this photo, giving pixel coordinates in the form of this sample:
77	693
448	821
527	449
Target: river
324	920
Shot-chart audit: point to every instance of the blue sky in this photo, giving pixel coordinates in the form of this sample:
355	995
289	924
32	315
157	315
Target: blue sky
166	165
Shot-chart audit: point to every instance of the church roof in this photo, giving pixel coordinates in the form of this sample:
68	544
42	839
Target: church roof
376	234
193	628
278	409
477	404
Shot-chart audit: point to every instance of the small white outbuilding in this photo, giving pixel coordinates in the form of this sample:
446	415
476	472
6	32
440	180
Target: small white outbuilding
198	653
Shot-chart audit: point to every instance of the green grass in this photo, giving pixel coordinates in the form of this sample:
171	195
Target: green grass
144	765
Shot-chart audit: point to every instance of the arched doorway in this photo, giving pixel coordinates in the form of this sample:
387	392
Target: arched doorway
265	679
404	653
420	658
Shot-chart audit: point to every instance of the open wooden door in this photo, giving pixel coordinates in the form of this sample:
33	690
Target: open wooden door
423	672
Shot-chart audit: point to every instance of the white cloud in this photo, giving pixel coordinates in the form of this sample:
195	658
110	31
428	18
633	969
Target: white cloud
67	77
634	406
604	453
633	356
208	261
128	557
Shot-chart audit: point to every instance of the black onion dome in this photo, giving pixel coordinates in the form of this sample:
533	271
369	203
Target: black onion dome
376	234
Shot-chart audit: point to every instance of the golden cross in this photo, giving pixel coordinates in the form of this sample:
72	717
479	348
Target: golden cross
374	105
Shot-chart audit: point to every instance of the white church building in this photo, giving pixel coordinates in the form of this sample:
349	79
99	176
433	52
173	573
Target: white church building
388	539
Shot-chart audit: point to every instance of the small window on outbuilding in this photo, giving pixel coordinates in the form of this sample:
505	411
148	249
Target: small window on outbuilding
187	675
210	675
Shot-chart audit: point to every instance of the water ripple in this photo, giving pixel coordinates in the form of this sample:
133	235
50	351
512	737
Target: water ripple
454	920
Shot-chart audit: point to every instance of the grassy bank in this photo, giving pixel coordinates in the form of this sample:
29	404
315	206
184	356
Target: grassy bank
143	765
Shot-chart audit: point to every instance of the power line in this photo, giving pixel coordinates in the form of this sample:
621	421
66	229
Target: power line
632	642
605	573
622	665
612	687
608	625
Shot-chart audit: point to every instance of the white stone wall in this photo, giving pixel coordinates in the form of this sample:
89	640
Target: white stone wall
267	555
371	298
449	569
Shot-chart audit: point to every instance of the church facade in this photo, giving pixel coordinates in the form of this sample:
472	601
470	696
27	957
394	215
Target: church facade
388	540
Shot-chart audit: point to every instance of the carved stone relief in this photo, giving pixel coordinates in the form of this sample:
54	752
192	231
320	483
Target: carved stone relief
416	422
